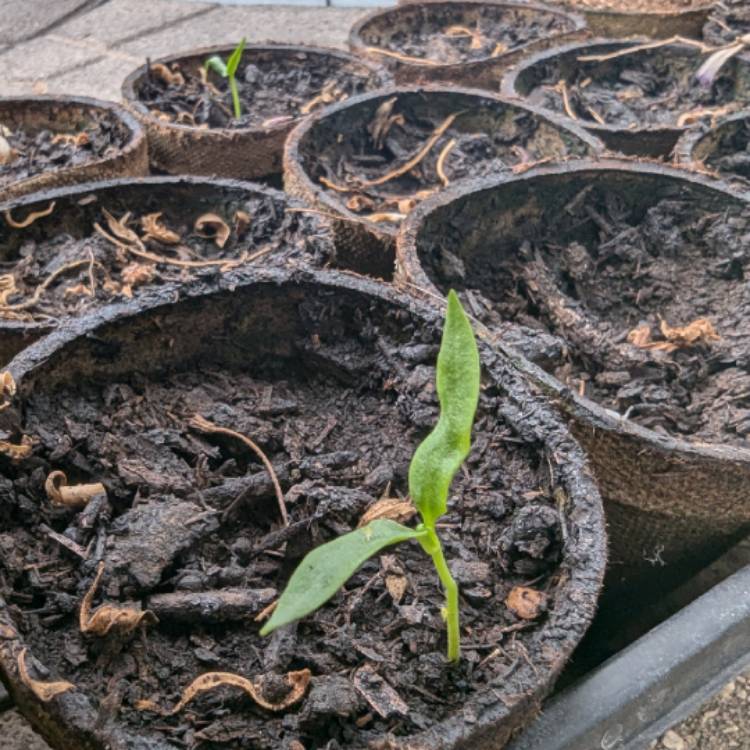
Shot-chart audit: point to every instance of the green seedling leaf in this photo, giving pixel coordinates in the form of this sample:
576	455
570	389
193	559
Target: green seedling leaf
234	59
328	567
218	65
442	452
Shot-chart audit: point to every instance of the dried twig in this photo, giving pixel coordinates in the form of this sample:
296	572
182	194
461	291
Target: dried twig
647	46
402	58
203	425
45	691
39	291
440	167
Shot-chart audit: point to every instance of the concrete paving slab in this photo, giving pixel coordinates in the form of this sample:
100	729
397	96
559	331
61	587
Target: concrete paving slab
326	27
22	20
40	59
124	19
100	79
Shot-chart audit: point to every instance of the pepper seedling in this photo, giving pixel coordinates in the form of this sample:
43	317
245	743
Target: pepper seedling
325	569
228	70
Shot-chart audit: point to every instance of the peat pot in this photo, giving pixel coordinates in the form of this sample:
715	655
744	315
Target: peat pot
369	161
189	115
53	141
723	149
66	252
331	378
463	42
638	100
622	286
657	19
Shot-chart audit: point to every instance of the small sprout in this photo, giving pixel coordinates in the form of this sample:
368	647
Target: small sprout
325	569
228	70
709	71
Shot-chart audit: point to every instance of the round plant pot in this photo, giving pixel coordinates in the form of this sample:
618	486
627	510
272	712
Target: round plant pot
52	141
675	486
278	86
71	259
623	100
466	42
724	149
332	159
332	375
657	19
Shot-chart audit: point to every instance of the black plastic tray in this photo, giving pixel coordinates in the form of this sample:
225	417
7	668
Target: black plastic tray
654	683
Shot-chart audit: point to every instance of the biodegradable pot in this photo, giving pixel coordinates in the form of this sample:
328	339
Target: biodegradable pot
255	150
672	505
125	156
306	333
40	248
723	149
373	37
492	135
657	19
537	80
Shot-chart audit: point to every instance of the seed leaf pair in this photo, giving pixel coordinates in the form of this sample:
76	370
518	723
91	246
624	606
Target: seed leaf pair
228	70
325	569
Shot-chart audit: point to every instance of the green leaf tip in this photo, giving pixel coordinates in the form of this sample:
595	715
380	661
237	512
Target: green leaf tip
216	64
442	452
327	568
234	59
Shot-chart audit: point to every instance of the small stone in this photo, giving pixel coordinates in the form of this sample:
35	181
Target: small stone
672	741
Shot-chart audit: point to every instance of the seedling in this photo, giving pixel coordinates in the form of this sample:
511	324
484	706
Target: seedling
435	462
228	70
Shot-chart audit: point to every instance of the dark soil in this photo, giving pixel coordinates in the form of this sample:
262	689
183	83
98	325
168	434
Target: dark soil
643	6
456	34
579	299
730	154
36	151
729	20
273	88
642	89
189	513
87	270
484	138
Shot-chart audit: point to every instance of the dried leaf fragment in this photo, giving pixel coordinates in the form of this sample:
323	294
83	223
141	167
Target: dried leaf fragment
700	331
154	229
212	227
526	603
297	682
7	288
16	451
45	691
241	222
388	507
119	618
7	389
70	139
75	496
383	121
30	219
170	77
136	274
7	153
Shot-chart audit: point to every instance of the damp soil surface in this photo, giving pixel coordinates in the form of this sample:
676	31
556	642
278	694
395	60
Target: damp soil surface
650	318
191	529
729	20
730	152
381	165
648	88
120	254
454	34
25	153
273	88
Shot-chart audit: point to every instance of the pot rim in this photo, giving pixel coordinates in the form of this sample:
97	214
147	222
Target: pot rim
357	44
703	7
131	99
586	409
692	138
136	132
585	553
509	81
293	163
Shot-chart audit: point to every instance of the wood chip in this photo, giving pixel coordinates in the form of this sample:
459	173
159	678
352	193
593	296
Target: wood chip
381	697
16	451
155	229
700	331
45	691
7	390
76	496
170	77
